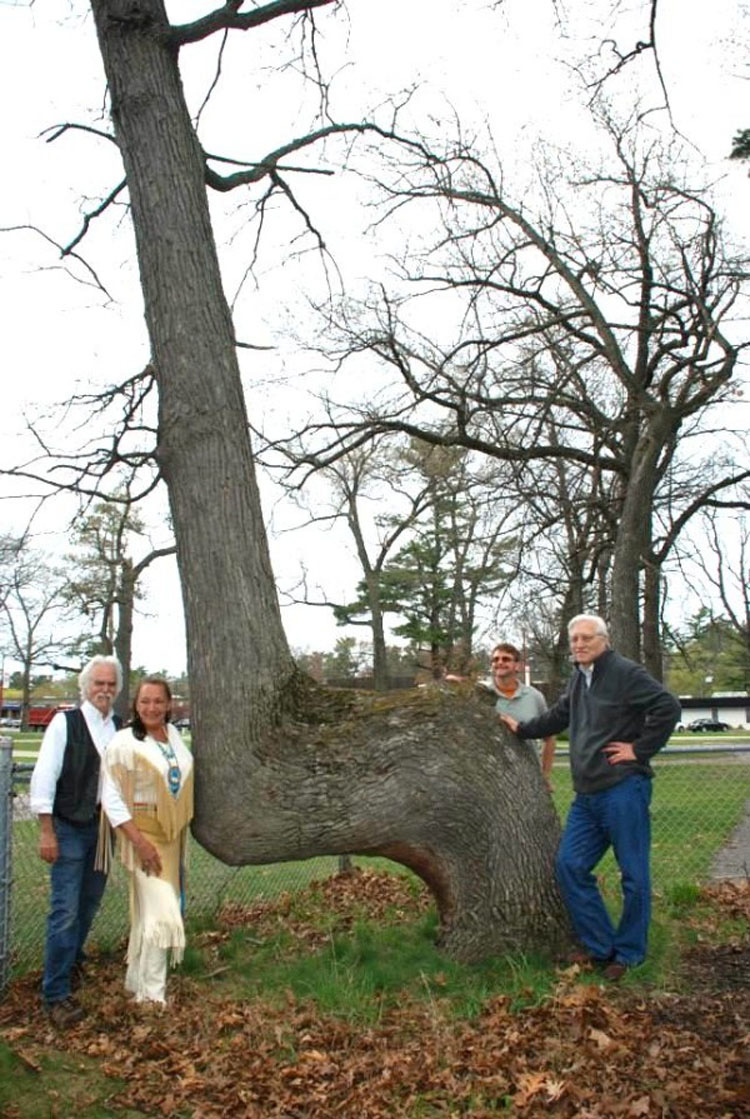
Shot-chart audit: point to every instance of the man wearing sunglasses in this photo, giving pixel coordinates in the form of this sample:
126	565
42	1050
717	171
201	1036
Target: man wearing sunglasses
519	700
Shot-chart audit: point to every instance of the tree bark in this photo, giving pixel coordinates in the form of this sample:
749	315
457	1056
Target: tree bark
282	771
651	645
238	657
371	577
124	636
632	541
428	778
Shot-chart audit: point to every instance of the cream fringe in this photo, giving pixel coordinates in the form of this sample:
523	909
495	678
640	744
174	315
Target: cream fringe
173	814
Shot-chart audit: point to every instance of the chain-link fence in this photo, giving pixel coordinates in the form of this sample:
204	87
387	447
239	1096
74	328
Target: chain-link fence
700	829
6	852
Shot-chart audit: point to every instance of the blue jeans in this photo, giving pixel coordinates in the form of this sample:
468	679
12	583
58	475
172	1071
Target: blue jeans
617	817
75	893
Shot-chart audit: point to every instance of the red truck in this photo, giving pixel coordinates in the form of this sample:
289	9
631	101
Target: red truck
41	715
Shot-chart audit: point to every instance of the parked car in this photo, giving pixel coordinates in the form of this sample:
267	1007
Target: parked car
704	725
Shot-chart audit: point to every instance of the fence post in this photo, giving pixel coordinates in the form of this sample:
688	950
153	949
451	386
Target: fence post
6	852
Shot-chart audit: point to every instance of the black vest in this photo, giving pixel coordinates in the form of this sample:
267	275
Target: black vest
77	789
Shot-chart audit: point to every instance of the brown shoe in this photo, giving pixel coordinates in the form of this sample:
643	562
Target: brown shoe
65	1013
614	971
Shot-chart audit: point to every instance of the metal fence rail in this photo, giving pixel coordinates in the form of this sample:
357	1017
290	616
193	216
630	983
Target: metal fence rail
700	829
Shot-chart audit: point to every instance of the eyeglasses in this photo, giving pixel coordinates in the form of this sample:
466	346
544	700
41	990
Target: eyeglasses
503	660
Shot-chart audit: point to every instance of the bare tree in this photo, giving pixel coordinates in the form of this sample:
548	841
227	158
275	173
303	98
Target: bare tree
565	540
10	547
609	311
459	556
725	566
442	513
104	579
33	610
370	474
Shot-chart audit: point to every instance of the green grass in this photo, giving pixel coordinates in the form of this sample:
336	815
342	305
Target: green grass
359	973
211	883
60	1085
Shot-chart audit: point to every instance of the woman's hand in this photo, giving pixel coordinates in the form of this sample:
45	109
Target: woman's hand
149	856
144	848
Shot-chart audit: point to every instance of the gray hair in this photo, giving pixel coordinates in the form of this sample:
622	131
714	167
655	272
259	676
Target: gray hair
599	623
88	670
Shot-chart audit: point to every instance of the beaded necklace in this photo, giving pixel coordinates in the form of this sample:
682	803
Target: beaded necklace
174	776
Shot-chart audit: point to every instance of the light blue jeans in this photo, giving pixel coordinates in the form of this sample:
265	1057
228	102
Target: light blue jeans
75	893
617	817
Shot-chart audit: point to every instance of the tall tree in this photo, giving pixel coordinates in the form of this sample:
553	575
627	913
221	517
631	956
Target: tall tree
456	553
566	534
707	655
267	789
723	566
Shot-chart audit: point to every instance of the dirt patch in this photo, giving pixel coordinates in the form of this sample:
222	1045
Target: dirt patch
719	969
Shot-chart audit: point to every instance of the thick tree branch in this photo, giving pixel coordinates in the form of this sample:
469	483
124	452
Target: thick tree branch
157	553
229	17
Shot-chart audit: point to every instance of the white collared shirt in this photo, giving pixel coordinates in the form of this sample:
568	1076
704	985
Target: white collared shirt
52	752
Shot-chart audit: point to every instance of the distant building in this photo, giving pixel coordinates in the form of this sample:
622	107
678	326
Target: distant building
724	707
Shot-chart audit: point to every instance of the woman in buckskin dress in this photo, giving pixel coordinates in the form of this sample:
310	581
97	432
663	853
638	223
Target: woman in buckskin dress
147	797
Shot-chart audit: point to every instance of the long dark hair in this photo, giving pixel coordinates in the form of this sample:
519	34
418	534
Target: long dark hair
136	724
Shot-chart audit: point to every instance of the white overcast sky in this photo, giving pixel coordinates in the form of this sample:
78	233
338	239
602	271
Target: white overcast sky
501	63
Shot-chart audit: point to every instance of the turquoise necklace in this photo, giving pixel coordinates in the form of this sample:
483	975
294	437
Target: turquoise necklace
174	776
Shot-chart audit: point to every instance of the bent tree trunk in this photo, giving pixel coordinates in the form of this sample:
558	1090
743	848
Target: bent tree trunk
282	772
429	779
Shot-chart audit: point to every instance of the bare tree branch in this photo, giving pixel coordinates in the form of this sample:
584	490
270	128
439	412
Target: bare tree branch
92	214
214	80
63	251
87	470
58	130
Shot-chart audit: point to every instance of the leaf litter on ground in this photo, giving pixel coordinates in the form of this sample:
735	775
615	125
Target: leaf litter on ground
588	1051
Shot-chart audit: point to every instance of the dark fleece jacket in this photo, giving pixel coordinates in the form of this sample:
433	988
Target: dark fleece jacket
623	704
